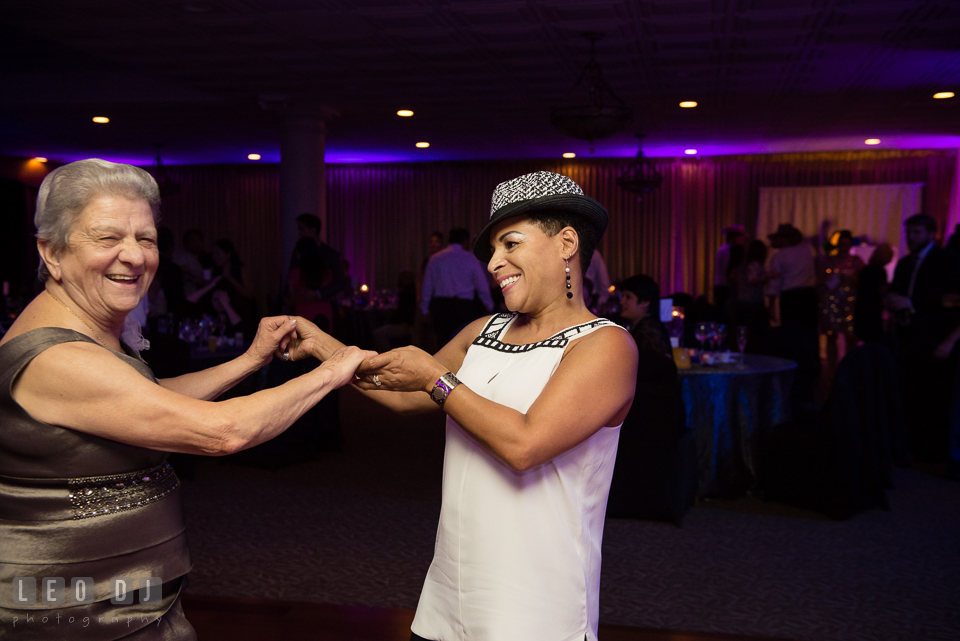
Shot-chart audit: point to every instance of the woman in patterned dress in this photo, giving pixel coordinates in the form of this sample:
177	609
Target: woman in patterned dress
838	296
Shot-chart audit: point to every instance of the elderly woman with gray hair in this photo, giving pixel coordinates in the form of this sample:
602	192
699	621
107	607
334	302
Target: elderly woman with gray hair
88	504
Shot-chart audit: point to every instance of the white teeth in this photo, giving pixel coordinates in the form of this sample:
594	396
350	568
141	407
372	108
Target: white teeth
122	277
508	281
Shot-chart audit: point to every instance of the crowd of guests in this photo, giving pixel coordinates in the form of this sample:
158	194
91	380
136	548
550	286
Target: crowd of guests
812	287
800	297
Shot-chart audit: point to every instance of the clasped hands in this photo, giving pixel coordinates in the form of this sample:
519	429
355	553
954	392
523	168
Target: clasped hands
405	369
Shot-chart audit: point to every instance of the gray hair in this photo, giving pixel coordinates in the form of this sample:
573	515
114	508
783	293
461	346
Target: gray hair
67	190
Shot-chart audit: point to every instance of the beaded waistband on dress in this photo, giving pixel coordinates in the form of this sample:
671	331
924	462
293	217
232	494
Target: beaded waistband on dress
102	495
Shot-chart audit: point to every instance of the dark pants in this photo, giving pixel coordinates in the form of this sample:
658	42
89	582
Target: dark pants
799	306
927	387
450	315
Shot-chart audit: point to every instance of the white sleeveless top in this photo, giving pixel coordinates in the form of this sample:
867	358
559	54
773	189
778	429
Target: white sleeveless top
517	555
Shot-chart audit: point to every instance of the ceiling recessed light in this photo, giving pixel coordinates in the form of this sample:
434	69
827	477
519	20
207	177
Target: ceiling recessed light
404	113
40	159
569	154
423	145
253	156
101	119
872	141
690	152
688	104
941	95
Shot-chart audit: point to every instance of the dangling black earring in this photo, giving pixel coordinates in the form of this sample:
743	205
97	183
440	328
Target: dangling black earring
566	262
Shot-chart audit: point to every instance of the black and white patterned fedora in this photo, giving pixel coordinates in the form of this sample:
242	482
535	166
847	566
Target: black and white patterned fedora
539	191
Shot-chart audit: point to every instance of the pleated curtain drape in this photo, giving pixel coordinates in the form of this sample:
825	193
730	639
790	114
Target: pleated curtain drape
380	215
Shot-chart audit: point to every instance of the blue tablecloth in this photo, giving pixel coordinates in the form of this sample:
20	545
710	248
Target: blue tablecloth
729	406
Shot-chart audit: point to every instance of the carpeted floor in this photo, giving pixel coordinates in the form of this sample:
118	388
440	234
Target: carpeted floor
357	527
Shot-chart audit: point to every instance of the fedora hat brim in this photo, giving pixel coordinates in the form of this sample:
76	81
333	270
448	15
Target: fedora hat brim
587	208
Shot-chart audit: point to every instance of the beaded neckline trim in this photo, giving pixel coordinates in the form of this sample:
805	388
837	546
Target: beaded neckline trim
102	495
490	335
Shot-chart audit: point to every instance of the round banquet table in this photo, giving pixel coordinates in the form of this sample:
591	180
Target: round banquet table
729	406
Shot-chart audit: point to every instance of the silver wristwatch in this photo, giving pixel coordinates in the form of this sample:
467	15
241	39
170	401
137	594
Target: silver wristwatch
443	387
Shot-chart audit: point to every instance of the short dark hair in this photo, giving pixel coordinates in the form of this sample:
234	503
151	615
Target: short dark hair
310	222
921	220
552	221
458	236
437	234
645	289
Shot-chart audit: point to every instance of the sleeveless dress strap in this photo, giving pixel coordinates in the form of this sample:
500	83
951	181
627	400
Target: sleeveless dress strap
497	325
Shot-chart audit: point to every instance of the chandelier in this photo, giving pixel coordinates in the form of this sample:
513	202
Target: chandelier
641	175
590	110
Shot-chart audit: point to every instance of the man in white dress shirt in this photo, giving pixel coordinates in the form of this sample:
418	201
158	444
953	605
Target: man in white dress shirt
793	278
452	282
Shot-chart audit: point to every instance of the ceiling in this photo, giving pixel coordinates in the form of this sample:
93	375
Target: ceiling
480	75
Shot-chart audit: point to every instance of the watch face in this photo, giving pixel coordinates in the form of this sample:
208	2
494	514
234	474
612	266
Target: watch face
438	393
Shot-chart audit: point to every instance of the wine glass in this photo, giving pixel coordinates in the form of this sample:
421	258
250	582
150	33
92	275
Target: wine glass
701	333
712	334
741	340
721	337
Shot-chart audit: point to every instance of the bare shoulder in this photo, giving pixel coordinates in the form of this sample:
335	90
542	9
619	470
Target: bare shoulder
80	360
609	342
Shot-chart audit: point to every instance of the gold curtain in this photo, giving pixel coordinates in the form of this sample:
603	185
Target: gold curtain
380	215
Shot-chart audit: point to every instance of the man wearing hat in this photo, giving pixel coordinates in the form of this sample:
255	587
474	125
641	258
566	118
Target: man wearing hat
793	278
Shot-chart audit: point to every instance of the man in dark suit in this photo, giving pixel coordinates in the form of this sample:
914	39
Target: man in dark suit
923	296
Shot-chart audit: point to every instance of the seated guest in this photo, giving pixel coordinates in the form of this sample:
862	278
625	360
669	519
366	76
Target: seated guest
640	308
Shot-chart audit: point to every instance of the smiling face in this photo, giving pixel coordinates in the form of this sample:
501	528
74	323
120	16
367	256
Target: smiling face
528	265
110	259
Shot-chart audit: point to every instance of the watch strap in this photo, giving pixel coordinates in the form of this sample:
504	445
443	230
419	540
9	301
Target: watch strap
442	388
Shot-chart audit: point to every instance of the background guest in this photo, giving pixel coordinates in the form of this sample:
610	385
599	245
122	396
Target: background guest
454	278
166	294
735	235
304	281
793	276
335	280
598	275
751	310
188	259
923	282
837	281
640	308
872	286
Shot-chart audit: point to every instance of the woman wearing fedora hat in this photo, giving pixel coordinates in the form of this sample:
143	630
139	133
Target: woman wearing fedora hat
534	402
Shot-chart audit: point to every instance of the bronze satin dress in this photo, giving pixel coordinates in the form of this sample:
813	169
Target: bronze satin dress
75	505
